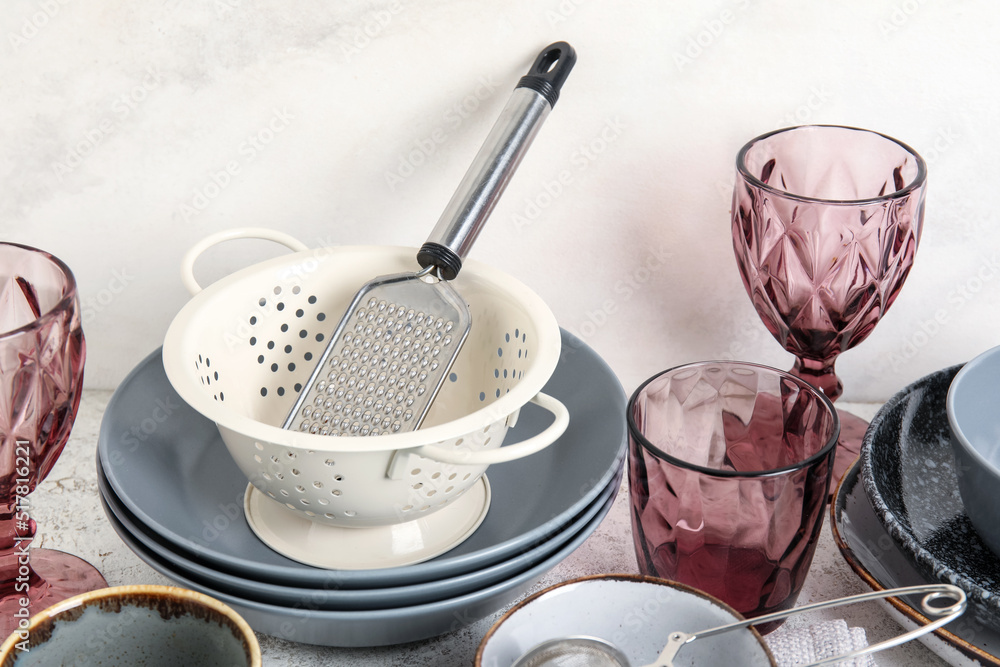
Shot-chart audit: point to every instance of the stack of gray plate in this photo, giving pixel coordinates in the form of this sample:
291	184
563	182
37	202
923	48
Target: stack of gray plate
174	495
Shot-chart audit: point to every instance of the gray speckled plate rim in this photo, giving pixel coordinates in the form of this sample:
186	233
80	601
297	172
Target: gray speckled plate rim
297	574
897	530
839	514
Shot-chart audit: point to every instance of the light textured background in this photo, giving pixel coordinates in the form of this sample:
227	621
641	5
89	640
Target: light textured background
116	120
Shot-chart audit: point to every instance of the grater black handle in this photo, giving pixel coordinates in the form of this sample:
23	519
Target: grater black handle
491	170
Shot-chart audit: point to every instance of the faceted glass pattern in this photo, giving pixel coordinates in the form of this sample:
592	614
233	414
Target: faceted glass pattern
826	221
42	353
729	471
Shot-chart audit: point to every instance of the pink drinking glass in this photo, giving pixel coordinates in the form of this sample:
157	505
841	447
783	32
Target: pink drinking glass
826	221
42	352
729	470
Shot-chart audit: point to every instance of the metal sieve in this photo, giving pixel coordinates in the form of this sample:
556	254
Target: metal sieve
595	652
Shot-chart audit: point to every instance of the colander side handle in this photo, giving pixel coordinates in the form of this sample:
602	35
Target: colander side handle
507	452
192	255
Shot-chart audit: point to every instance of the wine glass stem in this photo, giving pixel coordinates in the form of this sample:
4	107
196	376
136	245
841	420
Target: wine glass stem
17	531
820	374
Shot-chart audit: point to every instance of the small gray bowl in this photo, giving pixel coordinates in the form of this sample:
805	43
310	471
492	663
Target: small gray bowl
973	407
124	626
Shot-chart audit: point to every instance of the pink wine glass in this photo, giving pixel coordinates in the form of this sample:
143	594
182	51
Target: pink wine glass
729	472
42	352
826	221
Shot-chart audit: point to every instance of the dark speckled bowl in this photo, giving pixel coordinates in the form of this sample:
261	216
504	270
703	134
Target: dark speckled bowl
909	474
974	416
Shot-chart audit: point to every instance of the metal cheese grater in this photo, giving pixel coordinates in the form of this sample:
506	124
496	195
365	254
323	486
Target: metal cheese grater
398	339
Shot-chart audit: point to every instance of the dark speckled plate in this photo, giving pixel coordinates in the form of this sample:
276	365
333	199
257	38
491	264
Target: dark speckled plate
909	474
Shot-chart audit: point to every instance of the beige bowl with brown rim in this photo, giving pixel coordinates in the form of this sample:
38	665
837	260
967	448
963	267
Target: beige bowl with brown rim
133	626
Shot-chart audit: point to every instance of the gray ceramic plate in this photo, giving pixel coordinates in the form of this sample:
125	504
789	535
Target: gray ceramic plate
874	557
306	624
336	599
909	474
168	466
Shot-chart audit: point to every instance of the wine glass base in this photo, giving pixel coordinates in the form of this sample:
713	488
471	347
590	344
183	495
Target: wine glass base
852	431
61	576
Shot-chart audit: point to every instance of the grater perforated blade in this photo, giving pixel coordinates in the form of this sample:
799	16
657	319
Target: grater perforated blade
389	356
396	342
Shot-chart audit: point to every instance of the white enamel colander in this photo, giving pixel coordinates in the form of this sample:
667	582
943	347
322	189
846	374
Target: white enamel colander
241	349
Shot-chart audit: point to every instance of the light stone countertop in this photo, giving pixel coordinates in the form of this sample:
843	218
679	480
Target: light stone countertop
67	509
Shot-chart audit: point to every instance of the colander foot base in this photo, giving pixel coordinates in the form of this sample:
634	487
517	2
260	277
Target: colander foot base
295	536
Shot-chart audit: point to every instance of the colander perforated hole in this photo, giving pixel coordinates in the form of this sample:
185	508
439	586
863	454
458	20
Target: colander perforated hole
284	328
323	501
290	506
431	493
418	485
467	476
262	302
300	488
424	508
336	492
435	475
310	513
485	444
284	493
415	471
299	312
296	289
312	299
290	454
259	446
279	475
253	319
266	476
281	305
459	442
270	493
295	472
256	457
329	462
452	476
449	489
318	485
277	289
329	516
338	478
407	508
321	316
274	459
350	513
